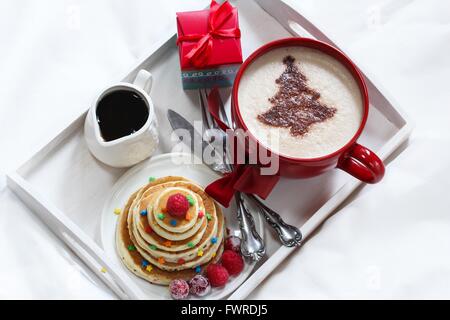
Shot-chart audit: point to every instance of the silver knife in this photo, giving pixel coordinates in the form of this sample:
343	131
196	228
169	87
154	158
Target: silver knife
190	136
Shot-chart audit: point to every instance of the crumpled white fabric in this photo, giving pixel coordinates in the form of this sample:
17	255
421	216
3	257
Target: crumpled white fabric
391	240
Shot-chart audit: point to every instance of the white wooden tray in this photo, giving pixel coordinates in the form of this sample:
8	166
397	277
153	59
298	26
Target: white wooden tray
66	187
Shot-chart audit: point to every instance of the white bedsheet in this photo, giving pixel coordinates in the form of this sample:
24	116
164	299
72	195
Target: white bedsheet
392	240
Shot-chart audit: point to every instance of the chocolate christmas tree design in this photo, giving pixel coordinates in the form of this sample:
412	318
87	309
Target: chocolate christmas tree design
295	106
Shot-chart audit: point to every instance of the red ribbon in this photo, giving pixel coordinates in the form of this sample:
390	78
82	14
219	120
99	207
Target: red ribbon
244	178
219	14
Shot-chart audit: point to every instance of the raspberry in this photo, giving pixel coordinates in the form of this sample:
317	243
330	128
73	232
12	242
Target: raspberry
217	275
233	243
233	262
179	289
199	286
177	205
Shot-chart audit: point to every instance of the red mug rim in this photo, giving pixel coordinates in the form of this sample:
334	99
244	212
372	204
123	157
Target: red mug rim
326	49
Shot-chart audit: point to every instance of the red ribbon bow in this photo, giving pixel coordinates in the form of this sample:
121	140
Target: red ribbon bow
219	14
244	178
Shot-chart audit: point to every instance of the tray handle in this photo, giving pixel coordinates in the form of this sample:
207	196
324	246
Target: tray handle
292	20
88	251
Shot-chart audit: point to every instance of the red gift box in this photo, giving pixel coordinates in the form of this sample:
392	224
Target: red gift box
209	46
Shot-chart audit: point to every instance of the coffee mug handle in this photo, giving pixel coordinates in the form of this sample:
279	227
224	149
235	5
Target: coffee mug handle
362	163
144	80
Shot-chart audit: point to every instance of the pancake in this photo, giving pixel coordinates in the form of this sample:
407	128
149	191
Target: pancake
153	256
183	225
164	229
160	237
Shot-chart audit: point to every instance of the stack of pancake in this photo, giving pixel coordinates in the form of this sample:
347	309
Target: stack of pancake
159	247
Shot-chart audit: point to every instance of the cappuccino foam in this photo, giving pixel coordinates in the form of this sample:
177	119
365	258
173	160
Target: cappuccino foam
329	84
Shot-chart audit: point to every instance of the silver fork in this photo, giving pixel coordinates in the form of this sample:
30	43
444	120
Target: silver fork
289	235
252	245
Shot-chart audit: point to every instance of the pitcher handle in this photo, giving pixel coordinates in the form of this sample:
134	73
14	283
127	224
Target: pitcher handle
362	163
144	80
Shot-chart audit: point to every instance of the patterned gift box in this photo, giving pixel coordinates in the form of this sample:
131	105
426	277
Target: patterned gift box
209	46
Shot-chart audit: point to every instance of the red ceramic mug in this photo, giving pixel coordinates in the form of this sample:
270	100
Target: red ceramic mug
353	158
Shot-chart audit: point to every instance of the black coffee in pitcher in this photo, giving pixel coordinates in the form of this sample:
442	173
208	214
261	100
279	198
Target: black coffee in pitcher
121	113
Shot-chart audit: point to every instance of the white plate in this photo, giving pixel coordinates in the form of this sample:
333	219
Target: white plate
175	164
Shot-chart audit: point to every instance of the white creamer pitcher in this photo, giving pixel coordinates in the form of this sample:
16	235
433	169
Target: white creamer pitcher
131	149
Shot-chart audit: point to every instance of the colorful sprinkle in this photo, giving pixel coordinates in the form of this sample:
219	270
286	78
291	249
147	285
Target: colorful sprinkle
198	269
149	268
151	179
208	216
201	214
181	261
173	223
153	247
190	245
190	199
164	210
144	263
168	243
161	216
200	253
188	216
131	248
161	260
148	229
103	270
214	240
214	255
144	213
117	211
